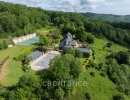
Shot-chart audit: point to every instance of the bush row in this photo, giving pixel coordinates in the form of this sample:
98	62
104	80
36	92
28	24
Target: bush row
20	56
3	62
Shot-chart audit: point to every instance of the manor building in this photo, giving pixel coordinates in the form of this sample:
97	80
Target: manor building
68	42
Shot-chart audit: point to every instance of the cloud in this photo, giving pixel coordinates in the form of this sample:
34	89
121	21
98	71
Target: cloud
77	5
66	5
34	1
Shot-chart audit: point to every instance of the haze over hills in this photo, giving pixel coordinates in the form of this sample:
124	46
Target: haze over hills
108	17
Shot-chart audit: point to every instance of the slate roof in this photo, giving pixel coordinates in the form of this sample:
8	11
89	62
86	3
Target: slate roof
84	50
35	54
68	46
67	41
68	35
73	42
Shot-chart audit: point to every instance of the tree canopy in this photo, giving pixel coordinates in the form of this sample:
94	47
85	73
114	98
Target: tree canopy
18	20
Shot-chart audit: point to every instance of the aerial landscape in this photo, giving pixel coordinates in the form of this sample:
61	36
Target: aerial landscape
64	50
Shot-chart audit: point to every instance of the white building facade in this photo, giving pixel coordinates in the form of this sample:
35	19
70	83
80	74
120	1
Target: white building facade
24	38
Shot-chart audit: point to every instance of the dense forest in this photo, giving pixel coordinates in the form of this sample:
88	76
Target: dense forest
17	20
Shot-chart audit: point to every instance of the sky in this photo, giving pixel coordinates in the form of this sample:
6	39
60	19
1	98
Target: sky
118	7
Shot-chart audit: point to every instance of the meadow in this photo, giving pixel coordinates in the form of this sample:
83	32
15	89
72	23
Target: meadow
12	68
100	88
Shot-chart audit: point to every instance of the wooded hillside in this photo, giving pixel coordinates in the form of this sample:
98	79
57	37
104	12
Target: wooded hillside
18	20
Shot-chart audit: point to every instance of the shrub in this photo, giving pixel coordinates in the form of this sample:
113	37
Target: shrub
118	97
86	55
93	52
78	54
109	44
88	96
103	74
127	91
45	49
69	51
92	74
121	87
26	67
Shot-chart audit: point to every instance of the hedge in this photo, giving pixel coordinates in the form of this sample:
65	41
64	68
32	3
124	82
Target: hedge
20	56
3	62
86	55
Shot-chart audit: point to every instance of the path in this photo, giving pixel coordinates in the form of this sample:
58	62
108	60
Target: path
3	73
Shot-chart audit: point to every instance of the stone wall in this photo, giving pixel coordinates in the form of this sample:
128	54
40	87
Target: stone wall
24	38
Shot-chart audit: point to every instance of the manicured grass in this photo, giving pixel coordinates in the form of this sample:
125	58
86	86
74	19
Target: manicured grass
100	88
14	68
12	52
15	72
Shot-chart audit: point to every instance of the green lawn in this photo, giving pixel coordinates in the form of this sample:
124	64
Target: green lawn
100	88
14	68
12	52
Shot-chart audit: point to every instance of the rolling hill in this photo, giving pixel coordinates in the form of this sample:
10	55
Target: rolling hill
108	17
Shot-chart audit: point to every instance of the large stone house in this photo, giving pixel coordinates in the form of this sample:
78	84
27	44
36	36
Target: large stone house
68	42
